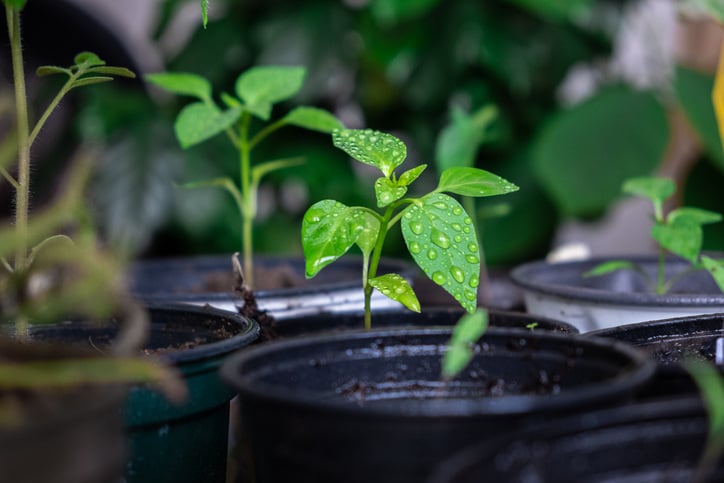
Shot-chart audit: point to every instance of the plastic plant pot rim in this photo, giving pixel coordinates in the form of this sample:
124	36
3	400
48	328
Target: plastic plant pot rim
249	332
637	372
528	277
661	329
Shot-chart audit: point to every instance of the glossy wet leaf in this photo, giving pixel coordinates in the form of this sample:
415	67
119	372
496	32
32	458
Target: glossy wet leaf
382	150
387	191
329	229
608	267
411	175
369	230
440	237
261	87
473	182
313	118
716	269
467	331
395	287
198	122
182	84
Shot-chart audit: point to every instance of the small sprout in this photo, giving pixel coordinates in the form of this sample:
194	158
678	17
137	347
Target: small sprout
257	91
460	348
438	231
532	326
679	232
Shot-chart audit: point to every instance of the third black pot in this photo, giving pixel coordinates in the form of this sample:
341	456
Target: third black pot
370	406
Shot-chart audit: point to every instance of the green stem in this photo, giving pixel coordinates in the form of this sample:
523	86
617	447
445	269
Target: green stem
264	133
54	103
375	262
249	200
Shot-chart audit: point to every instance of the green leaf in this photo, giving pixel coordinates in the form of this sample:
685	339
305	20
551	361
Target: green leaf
693	91
381	150
16	4
369	231
473	182
329	229
716	269
112	70
50	70
682	237
440	236
411	175
313	118
260	87
698	216
459	141
466	332
395	287
88	58
387	191
583	155
88	81
556	9
608	267
205	12
182	84
653	188
198	122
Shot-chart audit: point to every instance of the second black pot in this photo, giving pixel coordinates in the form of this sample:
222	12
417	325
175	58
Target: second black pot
370	406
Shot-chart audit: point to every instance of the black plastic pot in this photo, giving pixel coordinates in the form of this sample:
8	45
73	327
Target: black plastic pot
370	406
429	317
657	441
186	443
560	291
196	280
670	342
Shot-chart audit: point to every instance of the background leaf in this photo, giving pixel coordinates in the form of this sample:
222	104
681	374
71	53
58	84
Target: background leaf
198	122
182	84
267	85
313	118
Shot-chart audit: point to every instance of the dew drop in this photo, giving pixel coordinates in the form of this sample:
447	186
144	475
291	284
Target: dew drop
468	221
456	226
439	278
466	229
472	259
470	295
408	215
431	254
440	205
458	238
415	247
473	247
474	281
457	211
400	290
386	291
416	227
439	238
457	274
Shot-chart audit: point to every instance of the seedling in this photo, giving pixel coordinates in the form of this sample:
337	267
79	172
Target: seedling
438	232
679	232
257	91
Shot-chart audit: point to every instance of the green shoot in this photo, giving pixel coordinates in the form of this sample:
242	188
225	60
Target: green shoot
460	348
257	91
679	232
438	232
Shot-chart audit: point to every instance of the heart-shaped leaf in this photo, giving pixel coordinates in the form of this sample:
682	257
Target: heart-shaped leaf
395	287
267	85
388	192
183	84
329	229
382	150
682	237
198	122
313	118
440	236
473	182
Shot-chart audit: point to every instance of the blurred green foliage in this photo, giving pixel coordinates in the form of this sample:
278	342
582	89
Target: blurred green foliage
413	68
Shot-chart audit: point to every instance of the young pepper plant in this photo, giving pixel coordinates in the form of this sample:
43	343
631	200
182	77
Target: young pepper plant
679	232
257	91
438	232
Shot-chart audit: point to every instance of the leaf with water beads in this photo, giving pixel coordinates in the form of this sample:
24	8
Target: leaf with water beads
395	287
382	150
387	191
440	236
473	182
329	229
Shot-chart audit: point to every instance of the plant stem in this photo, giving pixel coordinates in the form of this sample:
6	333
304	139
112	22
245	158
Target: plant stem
660	281
249	202
261	135
54	103
375	262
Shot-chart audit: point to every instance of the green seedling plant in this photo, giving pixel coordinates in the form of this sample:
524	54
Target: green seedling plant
257	90
45	275
679	232
438	232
